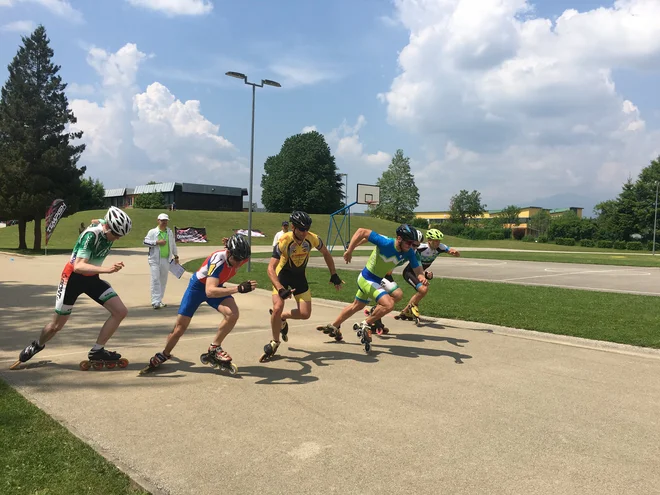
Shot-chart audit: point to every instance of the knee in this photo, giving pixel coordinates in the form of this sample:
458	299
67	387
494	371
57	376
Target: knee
120	312
305	314
423	289
387	303
232	317
397	295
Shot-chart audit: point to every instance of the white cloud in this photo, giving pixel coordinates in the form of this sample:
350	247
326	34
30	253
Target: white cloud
19	27
292	73
61	8
308	128
75	89
533	99
347	146
133	136
173	8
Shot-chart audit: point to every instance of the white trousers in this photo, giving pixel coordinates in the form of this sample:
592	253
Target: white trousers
159	272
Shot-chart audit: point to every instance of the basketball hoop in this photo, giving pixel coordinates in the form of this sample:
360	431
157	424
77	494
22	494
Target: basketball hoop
371	204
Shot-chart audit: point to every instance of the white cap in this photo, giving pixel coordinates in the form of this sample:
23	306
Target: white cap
163	216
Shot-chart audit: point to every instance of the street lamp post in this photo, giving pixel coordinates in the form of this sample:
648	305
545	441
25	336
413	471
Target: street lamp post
267	82
655	222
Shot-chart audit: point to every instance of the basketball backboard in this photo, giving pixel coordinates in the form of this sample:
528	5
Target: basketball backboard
368	194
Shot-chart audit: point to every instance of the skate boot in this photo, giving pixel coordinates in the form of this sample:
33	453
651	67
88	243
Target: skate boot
364	334
414	309
27	353
284	329
97	359
269	351
379	326
406	314
332	331
158	359
218	358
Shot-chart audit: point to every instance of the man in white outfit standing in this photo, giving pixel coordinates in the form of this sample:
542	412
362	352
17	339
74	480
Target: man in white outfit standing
285	229
162	248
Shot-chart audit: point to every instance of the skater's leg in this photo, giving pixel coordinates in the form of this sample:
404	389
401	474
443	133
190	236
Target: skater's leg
384	306
50	329
229	310
422	290
302	312
179	329
276	317
349	311
117	314
397	295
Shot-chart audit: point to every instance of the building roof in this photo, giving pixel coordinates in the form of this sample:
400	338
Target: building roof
115	193
210	189
152	188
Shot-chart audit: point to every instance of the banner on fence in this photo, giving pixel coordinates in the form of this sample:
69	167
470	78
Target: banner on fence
53	215
190	234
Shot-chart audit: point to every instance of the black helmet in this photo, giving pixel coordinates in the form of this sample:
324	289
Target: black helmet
407	233
301	220
239	247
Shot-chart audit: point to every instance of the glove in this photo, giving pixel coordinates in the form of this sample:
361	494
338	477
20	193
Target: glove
335	280
244	287
284	293
428	275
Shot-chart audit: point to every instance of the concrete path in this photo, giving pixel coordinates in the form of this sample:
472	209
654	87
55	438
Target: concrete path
451	407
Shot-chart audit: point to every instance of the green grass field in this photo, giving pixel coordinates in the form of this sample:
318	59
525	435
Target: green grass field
39	456
622	318
616	258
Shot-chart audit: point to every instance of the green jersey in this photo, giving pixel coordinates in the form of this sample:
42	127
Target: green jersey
92	245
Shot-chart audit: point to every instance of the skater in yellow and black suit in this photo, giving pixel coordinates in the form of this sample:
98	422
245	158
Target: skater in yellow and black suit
287	274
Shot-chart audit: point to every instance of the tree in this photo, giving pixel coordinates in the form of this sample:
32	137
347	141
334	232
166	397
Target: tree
466	205
39	158
399	195
152	200
509	215
540	221
92	194
302	176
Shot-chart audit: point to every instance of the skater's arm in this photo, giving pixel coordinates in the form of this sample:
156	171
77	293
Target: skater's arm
83	267
421	276
214	290
272	275
360	237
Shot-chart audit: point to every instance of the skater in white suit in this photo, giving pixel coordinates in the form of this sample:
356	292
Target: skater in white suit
162	249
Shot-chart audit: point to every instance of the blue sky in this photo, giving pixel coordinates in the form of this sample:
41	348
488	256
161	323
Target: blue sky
519	100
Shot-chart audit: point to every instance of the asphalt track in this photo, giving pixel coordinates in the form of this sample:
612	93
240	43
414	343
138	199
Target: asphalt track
450	407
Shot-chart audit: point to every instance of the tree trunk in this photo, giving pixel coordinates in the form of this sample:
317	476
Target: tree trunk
21	233
37	233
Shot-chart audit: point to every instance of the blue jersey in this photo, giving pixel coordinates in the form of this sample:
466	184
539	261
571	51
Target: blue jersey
385	257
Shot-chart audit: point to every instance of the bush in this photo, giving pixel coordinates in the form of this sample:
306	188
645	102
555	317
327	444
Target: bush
587	243
565	241
619	244
543	239
448	228
650	246
634	246
496	236
507	233
420	223
605	244
528	238
518	234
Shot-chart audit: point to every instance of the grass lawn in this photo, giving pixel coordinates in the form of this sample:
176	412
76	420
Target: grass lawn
616	258
39	456
622	318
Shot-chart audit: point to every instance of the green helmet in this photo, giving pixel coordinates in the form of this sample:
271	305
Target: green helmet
434	235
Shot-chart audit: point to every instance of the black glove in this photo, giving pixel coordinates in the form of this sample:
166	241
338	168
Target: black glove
244	287
428	275
284	293
335	280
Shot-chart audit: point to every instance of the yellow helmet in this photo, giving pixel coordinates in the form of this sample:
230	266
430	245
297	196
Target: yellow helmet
434	235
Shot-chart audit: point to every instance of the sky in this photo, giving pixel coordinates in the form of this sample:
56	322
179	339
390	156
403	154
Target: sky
517	99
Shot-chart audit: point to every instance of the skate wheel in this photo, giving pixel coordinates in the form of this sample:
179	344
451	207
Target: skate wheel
122	363
367	347
359	333
386	330
397	317
320	329
204	359
84	365
97	366
339	337
355	326
110	365
379	331
232	369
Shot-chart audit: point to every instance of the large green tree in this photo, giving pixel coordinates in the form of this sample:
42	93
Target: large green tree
509	215
38	157
466	205
399	195
302	176
152	200
540	222
92	194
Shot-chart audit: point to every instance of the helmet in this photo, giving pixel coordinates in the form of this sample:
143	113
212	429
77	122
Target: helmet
118	221
239	247
301	220
420	236
407	233
434	235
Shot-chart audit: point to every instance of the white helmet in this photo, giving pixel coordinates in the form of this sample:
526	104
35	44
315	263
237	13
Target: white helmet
118	221
420	236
